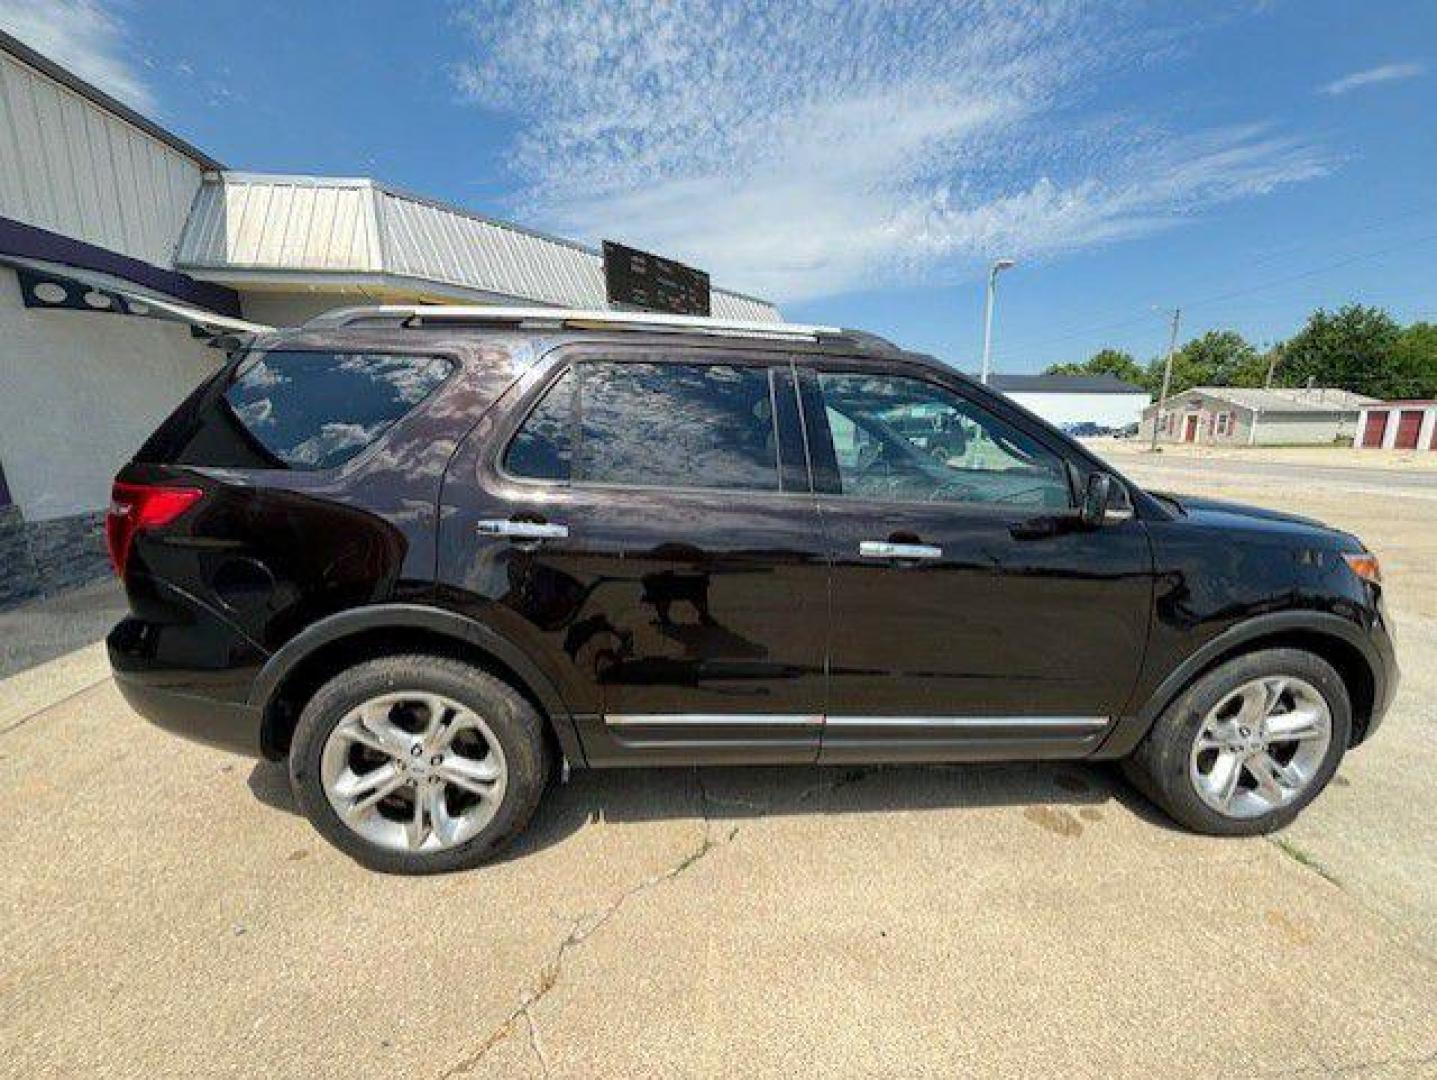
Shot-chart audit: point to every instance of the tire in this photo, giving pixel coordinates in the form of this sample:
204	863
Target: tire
512	743
1168	768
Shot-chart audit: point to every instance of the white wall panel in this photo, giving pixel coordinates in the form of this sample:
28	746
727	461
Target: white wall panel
71	167
79	393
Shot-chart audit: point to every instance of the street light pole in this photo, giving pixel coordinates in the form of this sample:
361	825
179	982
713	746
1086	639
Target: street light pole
1167	377
999	265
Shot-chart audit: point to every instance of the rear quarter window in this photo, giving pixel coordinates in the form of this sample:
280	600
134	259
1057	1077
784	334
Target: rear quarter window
298	410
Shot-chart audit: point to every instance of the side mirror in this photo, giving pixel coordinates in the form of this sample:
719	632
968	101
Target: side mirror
1093	510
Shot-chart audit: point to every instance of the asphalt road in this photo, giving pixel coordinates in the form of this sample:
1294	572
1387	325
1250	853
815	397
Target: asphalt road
165	912
1365	480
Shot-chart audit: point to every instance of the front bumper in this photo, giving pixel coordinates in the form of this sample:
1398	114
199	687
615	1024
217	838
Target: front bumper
1387	675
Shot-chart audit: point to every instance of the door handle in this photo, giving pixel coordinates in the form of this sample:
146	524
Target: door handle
524	530
886	549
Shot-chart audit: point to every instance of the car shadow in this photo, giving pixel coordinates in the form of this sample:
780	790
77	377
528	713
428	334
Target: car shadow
1058	796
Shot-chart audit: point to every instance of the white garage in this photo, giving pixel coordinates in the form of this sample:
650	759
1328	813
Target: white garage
1065	400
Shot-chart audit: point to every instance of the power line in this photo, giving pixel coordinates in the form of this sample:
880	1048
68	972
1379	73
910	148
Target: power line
1231	294
1386	220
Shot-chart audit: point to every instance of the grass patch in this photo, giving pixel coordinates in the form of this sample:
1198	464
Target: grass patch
1306	858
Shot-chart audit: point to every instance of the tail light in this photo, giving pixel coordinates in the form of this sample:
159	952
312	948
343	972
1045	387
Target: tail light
134	507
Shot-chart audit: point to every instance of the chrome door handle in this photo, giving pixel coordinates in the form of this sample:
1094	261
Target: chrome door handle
524	530
884	549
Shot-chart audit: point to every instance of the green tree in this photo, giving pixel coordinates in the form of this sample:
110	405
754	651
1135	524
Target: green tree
1218	358
1414	360
1113	362
1354	348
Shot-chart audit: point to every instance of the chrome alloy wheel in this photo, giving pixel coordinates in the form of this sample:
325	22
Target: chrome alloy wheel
413	771
1260	746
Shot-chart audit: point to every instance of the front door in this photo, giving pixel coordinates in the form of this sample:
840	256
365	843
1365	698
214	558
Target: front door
659	544
1190	427
970	619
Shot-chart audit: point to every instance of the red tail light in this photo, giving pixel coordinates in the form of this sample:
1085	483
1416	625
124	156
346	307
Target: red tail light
137	506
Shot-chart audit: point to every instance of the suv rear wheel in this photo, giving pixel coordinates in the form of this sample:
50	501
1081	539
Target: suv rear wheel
418	764
1248	745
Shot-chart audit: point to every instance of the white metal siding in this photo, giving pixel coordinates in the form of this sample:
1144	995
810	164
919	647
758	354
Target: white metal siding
71	167
1304	429
254	222
437	245
283	224
1109	410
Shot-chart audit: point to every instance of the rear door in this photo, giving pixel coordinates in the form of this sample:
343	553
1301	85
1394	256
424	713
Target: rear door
968	619
645	522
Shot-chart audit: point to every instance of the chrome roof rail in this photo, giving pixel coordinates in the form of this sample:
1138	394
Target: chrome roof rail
555	318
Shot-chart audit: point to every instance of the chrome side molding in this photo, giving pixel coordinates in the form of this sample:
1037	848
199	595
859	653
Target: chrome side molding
523	530
976	723
912	723
885	549
712	720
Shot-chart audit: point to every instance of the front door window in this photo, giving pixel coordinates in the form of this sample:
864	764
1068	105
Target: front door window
907	440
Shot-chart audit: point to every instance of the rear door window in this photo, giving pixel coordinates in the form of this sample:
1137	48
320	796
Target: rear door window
298	410
671	425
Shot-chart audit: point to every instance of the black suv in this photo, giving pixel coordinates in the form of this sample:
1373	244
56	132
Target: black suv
433	556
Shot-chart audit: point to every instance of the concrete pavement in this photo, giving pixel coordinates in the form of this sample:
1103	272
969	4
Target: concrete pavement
164	912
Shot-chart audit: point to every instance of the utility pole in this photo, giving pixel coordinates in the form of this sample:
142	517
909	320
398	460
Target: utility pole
1167	376
999	265
1271	368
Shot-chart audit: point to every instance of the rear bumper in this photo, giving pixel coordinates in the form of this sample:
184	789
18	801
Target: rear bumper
188	669
223	724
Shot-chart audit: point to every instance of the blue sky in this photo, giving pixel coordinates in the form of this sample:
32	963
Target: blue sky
859	163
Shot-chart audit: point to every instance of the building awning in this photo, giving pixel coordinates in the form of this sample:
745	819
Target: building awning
256	230
52	285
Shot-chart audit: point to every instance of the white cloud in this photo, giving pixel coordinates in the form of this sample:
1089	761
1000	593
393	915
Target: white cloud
84	37
801	149
1385	73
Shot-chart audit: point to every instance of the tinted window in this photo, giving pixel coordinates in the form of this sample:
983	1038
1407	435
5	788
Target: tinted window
543	448
653	425
910	440
317	410
299	410
677	425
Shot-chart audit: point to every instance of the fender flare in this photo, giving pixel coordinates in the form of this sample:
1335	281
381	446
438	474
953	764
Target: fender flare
461	628
1129	729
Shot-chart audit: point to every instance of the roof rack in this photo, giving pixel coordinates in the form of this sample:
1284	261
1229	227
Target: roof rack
548	318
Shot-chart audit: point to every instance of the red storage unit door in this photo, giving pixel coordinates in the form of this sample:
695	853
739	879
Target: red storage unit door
1409	426
1376	428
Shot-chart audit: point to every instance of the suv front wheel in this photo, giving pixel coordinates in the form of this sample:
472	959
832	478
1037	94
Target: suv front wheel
1248	745
418	764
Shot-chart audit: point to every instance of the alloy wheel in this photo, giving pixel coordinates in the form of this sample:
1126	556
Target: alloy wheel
1261	746
413	771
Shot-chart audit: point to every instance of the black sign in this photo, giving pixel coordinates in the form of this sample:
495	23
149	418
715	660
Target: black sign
40	290
636	279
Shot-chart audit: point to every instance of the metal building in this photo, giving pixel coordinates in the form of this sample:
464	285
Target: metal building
1068	400
117	238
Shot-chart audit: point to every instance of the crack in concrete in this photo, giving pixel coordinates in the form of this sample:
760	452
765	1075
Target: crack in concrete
580	931
1324	1069
42	710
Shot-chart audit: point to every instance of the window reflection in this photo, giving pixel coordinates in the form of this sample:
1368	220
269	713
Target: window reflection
909	440
653	425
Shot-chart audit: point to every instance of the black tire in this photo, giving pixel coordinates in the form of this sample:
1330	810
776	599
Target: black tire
1159	766
509	715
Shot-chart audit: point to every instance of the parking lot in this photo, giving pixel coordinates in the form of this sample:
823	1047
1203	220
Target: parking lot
167	913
